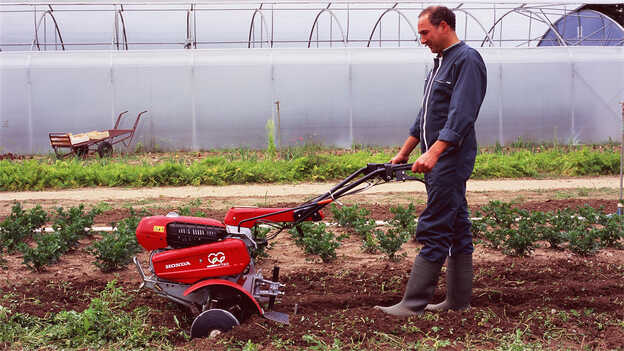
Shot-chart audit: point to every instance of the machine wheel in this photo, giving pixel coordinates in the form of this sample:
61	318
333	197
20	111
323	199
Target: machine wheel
105	149
213	319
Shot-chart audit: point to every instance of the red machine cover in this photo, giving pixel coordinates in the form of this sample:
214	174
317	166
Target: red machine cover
189	265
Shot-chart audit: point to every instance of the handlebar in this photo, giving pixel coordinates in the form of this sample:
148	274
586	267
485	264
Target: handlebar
383	171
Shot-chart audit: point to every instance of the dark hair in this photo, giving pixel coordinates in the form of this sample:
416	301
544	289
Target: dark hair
438	14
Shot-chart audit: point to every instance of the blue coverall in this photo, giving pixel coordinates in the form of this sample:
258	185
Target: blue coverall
454	91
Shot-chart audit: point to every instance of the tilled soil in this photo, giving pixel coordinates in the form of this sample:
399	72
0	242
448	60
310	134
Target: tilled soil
575	298
553	297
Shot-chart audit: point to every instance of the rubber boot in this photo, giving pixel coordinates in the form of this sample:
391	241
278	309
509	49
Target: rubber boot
419	289
458	284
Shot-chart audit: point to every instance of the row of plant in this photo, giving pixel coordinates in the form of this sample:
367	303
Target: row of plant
517	232
23	231
514	231
318	239
219	170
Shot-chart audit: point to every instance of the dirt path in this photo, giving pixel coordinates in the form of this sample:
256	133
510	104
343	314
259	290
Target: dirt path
263	190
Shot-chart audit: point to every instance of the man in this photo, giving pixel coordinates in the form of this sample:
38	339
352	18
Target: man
454	91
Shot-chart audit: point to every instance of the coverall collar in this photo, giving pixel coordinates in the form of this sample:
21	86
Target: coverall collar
450	49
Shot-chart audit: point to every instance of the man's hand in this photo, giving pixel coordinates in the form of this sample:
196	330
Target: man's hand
403	155
399	158
428	160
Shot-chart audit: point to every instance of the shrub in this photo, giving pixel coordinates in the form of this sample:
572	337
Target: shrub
350	216
369	243
404	217
49	248
612	230
390	241
317	240
115	250
520	242
582	241
20	225
69	227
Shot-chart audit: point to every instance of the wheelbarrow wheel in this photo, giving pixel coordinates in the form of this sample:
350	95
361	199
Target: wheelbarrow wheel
82	151
105	149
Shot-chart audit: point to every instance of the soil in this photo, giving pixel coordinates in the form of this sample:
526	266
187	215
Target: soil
578	302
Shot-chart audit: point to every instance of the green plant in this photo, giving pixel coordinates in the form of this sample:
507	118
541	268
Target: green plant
317	240
520	242
583	241
104	324
350	216
260	236
390	241
69	227
270	130
20	225
49	248
115	250
73	224
404	217
187	210
369	243
612	231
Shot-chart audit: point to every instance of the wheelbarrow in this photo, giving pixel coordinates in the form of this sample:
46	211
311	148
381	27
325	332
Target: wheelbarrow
84	144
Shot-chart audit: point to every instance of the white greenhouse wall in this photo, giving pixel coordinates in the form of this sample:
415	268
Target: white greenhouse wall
213	98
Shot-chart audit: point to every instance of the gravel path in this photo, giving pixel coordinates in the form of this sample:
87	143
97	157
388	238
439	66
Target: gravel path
259	190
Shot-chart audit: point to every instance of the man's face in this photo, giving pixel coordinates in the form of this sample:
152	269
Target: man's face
432	36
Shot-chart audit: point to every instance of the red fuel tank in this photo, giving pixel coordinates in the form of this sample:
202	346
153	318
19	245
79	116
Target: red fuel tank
159	232
188	265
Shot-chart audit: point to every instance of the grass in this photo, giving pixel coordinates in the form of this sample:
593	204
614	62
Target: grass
105	324
293	164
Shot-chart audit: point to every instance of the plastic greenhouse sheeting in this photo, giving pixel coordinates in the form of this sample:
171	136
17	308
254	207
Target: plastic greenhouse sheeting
200	99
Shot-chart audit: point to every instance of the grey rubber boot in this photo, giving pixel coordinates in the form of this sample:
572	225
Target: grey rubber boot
458	284
419	290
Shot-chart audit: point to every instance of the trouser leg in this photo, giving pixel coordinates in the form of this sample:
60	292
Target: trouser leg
459	263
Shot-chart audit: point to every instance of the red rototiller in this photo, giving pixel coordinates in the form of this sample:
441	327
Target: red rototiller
207	265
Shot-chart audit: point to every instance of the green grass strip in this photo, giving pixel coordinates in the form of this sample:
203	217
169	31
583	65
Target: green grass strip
323	166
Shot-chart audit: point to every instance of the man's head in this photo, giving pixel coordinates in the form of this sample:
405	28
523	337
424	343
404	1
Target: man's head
436	26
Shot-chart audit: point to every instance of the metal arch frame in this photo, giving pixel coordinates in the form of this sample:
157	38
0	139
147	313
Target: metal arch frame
552	27
606	19
123	30
488	33
189	42
58	31
540	16
251	27
333	15
478	22
401	14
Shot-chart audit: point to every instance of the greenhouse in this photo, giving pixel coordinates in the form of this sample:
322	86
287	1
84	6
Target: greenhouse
212	73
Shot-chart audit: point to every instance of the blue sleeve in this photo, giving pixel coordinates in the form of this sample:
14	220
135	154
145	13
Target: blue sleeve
466	99
415	128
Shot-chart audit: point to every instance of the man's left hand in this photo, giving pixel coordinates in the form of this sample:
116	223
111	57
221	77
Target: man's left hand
428	160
